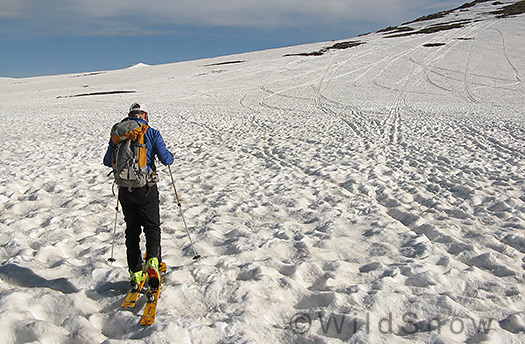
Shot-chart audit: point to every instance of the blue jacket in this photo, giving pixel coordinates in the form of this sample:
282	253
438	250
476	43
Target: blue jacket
154	143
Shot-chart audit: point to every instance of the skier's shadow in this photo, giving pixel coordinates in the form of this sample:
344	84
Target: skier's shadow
120	287
110	289
24	277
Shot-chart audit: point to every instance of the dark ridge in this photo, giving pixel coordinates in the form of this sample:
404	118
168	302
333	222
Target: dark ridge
387	29
313	53
345	45
96	94
88	74
223	63
430	45
337	46
511	10
396	29
430	17
444	13
471	4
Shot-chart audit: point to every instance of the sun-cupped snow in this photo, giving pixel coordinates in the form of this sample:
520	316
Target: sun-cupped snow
367	192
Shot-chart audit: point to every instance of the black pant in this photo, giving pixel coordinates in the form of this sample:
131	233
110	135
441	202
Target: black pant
141	210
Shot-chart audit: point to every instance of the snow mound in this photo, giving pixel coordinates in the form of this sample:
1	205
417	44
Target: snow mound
138	65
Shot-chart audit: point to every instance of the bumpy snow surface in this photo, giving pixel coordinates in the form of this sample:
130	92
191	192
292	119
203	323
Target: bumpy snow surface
373	194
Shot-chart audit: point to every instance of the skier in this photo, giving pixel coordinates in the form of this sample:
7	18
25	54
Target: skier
140	205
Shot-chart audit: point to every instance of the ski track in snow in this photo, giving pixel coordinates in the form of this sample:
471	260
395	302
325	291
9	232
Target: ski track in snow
383	179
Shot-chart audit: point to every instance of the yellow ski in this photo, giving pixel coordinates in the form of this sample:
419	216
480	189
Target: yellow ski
151	308
148	318
132	296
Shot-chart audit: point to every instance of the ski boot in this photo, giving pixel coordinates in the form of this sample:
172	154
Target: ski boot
136	279
152	269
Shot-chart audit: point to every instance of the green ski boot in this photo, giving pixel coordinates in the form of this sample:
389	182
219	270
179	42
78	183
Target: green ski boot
136	278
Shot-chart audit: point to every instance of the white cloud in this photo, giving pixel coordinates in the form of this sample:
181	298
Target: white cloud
89	16
248	12
15	8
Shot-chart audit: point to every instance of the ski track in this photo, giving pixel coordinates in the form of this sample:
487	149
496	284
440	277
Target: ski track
383	179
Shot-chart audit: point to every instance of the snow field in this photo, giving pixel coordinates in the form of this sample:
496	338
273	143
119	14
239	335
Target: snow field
373	194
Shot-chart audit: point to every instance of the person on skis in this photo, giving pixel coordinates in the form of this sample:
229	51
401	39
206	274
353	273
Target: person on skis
140	205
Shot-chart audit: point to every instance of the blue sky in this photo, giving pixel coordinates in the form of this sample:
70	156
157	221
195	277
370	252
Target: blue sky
46	37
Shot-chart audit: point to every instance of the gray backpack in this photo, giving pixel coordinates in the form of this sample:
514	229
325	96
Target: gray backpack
130	155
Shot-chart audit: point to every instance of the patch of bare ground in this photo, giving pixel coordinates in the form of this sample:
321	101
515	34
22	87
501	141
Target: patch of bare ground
96	94
511	10
395	29
337	46
223	63
431	45
444	13
433	28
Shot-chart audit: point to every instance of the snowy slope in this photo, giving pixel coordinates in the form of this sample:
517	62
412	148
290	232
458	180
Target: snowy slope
371	194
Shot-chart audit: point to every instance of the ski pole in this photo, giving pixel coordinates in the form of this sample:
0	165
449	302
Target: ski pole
195	255
111	259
